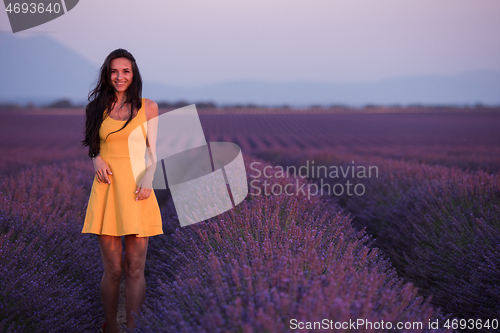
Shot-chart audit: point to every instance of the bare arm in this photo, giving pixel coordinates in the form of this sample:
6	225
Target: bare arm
146	186
152	130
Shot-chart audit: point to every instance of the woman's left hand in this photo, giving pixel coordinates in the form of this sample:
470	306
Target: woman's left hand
145	186
143	193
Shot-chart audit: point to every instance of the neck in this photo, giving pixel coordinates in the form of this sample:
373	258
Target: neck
121	96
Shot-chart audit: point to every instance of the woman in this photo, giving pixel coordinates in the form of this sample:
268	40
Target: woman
118	204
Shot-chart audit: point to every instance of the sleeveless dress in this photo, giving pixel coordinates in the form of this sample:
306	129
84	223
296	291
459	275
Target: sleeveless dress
112	209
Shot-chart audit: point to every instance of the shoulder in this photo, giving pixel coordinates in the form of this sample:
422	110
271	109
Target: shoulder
151	108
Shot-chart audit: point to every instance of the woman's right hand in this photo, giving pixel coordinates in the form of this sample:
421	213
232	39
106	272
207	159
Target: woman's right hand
101	170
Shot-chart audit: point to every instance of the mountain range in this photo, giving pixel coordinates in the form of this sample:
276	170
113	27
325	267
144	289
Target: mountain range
41	70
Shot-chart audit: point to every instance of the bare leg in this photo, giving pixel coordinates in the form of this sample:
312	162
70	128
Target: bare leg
112	259
135	283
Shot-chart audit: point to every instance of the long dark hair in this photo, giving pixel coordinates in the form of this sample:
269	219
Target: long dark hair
103	97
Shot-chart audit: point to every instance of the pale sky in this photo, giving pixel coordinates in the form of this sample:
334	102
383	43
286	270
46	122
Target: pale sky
188	43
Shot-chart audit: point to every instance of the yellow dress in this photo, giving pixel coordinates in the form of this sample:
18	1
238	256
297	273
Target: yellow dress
112	209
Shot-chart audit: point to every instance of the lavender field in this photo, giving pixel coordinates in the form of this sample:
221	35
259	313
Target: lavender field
420	245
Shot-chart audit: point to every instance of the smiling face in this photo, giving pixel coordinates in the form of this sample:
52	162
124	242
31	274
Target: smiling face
121	74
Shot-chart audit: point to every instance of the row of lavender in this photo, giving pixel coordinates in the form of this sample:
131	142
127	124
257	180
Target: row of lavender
440	226
270	263
468	140
49	271
271	260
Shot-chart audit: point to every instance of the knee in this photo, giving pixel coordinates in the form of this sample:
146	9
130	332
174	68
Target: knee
114	272
134	270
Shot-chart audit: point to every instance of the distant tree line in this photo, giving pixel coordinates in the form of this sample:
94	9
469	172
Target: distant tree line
68	104
203	104
59	104
180	104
